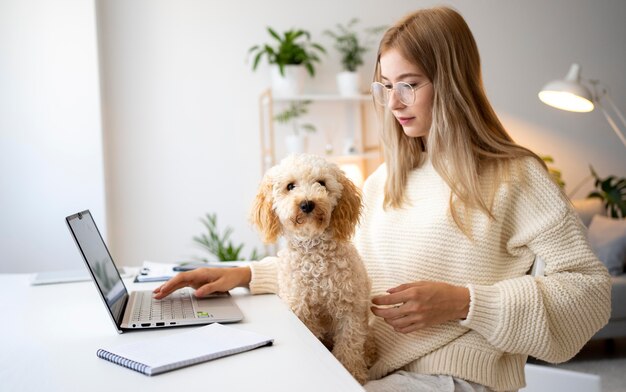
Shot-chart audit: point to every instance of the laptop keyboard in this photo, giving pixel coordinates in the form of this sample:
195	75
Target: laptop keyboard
177	305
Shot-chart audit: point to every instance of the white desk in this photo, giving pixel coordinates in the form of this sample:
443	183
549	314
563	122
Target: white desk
49	336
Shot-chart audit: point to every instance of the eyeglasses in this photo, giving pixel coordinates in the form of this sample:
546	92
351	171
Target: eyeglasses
404	91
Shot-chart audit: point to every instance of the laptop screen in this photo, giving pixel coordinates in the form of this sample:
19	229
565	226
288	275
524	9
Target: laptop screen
99	262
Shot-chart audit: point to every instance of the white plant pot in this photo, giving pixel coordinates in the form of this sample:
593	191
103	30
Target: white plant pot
348	83
296	144
292	83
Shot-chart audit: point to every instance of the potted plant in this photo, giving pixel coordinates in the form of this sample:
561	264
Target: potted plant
292	53
352	48
296	142
219	244
612	191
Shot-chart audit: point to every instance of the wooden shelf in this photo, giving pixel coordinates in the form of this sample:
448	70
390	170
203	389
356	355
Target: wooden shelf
366	157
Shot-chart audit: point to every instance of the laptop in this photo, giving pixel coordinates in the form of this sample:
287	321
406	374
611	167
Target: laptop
138	310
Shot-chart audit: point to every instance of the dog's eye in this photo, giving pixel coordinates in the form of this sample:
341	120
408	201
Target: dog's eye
322	183
290	186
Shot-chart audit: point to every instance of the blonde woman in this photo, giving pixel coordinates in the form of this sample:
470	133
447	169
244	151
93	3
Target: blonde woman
452	224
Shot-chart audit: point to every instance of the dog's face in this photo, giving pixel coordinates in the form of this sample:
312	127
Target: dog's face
304	193
303	196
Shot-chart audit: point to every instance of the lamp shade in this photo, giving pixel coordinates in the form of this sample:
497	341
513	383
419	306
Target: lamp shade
568	94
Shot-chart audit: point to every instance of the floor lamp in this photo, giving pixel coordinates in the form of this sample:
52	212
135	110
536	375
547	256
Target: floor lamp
572	95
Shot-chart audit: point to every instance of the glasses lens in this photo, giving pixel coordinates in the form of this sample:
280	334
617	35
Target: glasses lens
405	93
379	92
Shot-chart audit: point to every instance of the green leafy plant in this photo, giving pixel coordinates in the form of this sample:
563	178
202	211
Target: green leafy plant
219	244
350	45
295	110
555	173
612	191
293	47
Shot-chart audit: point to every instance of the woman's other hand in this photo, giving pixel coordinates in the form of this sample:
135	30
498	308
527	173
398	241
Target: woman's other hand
206	281
418	305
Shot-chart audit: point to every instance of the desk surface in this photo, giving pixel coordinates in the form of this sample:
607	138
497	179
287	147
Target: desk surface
49	336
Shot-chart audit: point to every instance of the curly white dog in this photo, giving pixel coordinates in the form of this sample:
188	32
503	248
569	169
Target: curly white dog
311	202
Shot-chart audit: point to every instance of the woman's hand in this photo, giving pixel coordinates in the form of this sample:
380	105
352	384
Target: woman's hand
206	281
422	304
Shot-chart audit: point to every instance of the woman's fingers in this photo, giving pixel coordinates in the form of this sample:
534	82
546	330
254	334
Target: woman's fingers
387	313
209	288
206	281
416	305
391	299
401	320
181	280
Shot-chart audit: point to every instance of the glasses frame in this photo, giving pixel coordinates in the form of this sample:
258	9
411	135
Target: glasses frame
395	87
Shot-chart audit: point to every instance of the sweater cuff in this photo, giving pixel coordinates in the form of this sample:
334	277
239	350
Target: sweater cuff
264	276
484	314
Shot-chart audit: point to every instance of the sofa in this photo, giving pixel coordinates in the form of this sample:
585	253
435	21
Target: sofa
607	238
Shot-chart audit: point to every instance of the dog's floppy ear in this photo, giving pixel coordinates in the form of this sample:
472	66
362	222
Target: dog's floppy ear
263	215
346	214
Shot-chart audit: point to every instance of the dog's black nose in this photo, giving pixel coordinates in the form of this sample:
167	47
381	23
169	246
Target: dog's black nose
307	206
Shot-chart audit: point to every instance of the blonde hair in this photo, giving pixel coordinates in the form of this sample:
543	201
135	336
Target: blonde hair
465	136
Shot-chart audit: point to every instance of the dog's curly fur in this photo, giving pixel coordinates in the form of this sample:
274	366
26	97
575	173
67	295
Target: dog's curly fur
311	203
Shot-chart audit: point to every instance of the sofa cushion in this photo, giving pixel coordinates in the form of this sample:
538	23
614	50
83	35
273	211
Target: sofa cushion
607	238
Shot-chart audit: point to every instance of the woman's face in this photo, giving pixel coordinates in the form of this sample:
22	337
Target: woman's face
416	118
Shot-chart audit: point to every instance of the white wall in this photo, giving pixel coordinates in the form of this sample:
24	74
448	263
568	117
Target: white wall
181	115
524	45
181	119
50	132
180	110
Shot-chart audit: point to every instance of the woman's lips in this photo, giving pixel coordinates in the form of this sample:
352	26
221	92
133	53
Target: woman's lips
404	120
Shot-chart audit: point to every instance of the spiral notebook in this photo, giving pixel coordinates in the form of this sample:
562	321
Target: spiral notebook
160	355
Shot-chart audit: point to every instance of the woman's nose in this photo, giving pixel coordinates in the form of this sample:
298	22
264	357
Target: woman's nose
394	100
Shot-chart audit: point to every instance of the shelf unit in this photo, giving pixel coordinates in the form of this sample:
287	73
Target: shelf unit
355	109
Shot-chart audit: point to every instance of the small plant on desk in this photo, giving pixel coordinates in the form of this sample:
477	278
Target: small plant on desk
219	244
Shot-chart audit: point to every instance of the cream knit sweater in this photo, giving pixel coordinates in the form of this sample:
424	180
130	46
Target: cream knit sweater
512	315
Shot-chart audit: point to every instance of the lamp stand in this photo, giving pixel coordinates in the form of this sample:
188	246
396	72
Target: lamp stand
610	120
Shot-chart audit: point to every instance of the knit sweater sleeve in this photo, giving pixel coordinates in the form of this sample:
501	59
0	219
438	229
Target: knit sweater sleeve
264	276
548	317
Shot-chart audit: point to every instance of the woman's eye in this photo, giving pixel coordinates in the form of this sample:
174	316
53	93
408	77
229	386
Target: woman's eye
290	186
413	85
322	183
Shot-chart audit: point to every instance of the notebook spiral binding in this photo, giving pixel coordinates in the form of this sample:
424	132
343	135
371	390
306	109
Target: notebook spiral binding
136	366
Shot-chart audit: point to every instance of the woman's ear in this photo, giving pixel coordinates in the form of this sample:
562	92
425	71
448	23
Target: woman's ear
346	214
263	215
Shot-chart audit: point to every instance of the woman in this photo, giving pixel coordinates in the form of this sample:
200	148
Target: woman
452	223
462	211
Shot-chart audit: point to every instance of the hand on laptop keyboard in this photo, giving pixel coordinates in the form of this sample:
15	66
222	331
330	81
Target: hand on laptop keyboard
206	281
